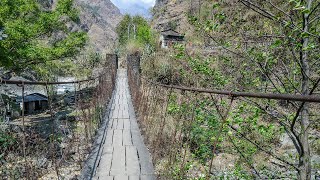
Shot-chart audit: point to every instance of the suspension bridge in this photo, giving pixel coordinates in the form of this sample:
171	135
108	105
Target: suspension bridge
124	155
135	131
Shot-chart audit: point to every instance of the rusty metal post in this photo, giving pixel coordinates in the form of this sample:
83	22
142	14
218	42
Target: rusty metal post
188	136
52	133
24	132
224	120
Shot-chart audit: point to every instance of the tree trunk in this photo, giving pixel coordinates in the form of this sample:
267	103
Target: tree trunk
304	158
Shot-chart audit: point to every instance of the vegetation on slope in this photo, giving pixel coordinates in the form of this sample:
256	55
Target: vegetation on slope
135	34
37	36
43	40
255	46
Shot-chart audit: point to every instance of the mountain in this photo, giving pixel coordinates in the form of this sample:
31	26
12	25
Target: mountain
136	9
161	2
99	18
172	14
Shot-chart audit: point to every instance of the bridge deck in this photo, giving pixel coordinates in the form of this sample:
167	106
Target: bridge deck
124	155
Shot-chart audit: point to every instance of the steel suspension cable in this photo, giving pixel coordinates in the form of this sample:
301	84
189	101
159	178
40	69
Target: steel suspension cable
292	97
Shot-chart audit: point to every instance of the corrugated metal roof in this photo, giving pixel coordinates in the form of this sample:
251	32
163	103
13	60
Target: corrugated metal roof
33	97
170	32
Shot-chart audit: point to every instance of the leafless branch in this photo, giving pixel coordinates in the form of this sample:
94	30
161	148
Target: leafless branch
262	149
257	145
271	16
243	156
314	19
292	134
314	9
281	10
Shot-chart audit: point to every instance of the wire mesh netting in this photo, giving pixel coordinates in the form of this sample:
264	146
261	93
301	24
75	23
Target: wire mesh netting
48	135
201	134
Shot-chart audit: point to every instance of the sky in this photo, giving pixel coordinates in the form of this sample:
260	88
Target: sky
134	6
127	3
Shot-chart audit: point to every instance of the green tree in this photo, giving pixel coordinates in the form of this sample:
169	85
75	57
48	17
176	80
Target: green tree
135	28
122	29
31	33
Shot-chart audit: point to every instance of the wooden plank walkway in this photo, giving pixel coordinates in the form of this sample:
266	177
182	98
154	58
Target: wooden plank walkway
124	155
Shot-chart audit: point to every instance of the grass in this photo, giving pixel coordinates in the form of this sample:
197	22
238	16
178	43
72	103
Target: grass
134	46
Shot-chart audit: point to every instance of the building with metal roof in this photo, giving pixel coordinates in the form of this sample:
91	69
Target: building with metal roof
33	103
169	37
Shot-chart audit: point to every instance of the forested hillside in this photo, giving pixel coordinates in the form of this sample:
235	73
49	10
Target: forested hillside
55	31
55	82
206	89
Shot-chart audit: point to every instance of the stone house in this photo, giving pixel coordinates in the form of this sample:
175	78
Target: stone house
168	38
33	103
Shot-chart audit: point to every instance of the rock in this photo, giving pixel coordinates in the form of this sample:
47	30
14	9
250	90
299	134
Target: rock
172	14
42	162
93	14
49	165
223	162
315	160
286	143
161	2
99	18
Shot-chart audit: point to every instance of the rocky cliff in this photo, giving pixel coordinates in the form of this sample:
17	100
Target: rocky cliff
161	2
172	14
99	18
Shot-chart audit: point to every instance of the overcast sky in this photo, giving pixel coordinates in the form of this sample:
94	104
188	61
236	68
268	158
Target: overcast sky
122	4
135	7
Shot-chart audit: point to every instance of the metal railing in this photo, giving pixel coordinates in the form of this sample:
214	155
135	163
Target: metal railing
183	125
56	143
